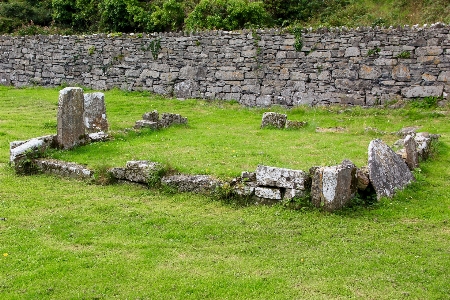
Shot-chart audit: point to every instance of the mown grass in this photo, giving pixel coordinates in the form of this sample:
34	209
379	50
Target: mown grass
64	239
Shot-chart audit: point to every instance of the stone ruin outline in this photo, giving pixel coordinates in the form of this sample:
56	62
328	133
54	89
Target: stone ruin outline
328	187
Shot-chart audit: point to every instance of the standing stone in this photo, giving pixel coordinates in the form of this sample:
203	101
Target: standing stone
95	113
387	171
333	187
272	119
412	157
71	129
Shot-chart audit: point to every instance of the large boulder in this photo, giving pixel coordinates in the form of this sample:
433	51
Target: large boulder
387	170
333	187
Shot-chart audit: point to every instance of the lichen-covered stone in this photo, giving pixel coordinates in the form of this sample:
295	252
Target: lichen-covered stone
362	176
141	171
18	149
423	143
95	113
272	119
62	168
271	193
152	116
281	177
295	124
412	156
70	127
387	171
168	119
333	187
191	183
145	124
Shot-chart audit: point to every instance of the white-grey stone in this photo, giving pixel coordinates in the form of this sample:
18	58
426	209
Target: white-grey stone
422	91
95	112
70	127
272	119
387	171
268	193
281	177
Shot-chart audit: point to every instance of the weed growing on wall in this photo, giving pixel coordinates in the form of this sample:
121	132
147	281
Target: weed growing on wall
297	32
404	54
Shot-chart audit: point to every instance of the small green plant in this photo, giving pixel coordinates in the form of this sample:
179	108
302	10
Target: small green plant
91	50
197	43
256	40
404	54
154	178
119	57
103	176
154	46
139	35
425	103
297	32
373	51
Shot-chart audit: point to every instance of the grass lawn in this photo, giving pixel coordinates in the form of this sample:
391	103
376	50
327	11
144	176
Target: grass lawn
65	239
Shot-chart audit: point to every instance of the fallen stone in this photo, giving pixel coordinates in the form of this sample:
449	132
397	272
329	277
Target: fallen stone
152	116
98	136
411	130
290	194
331	129
412	157
268	193
62	168
281	177
168	119
141	171
249	176
18	149
146	124
272	119
333	187
95	113
295	124
191	183
387	171
70	128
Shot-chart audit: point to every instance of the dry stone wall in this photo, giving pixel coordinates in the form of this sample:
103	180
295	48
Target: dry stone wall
365	66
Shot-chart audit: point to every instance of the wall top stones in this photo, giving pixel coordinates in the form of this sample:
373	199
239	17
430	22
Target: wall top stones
362	66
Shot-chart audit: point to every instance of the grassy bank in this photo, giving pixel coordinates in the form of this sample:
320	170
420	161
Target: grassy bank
66	239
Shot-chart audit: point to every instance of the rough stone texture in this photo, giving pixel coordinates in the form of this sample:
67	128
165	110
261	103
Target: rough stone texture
412	157
17	149
62	168
141	171
268	193
168	119
387	171
423	143
152	116
71	128
95	113
295	124
272	119
362	175
332	67
333	187
98	137
411	130
146	124
191	183
281	177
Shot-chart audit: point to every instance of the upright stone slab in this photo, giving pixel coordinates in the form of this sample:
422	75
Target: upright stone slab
95	113
412	157
71	129
387	170
333	187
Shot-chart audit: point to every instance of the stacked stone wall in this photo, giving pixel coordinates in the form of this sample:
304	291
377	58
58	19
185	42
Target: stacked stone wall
365	66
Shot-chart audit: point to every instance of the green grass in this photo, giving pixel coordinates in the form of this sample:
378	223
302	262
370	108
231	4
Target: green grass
66	239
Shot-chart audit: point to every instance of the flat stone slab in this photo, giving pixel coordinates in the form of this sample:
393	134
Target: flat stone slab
268	193
387	170
146	124
139	171
18	148
62	168
192	183
281	177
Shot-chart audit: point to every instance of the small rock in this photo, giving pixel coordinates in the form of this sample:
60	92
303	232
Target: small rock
272	119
